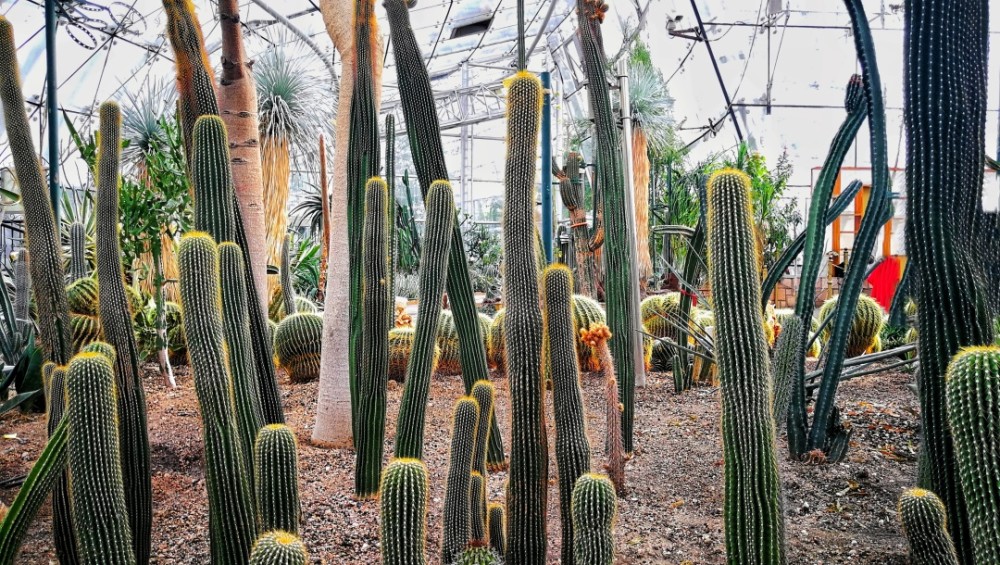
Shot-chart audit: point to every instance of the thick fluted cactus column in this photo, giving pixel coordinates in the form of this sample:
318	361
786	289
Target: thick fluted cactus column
455	529
433	274
276	479
375	352
22	289
594	507
116	320
484	393
527	491
232	523
41	231
754	524
279	548
62	519
572	445
77	252
97	490
973	395
923	518
496	524
404	513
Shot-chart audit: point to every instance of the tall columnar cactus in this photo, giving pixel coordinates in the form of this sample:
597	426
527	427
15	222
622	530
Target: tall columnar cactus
287	289
404	512
594	509
41	230
195	83
78	268
456	529
298	342
571	191
235	303
428	158
572	445
116	321
421	365
96	485
865	328
104	348
62	518
276	479
496	524
527	492
233	525
945	223
754	525
619	280
22	289
923	518
973	395
212	179
375	353
279	548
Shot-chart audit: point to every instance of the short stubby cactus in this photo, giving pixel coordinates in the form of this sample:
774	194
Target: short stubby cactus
865	328
279	548
972	390
923	517
297	343
276	478
496	524
449	362
478	554
400	348
457	501
594	507
404	512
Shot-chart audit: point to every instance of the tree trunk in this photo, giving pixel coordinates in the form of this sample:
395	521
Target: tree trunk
238	108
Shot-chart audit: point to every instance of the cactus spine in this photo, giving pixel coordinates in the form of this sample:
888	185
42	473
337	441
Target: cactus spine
973	395
456	531
923	517
528	488
572	445
433	273
233	525
298	342
41	231
496	524
78	252
279	548
96	486
428	159
477	508
276	479
754	531
594	507
116	321
375	356
404	512
864	329
22	289
62	518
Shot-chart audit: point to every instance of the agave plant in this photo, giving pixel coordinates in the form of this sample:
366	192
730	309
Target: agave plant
142	120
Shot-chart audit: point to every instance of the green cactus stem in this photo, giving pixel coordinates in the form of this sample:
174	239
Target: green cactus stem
456	529
276	479
496	524
478	554
404	512
923	517
485	394
754	531
477	507
279	548
22	289
96	485
594	508
54	379
571	191
78	267
287	290
298	341
375	366
232	524
421	365
865	328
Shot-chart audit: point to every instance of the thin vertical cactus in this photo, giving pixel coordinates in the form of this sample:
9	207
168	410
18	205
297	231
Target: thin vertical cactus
78	268
62	518
404	513
433	273
22	289
390	181
484	393
594	508
597	337
571	191
116	321
287	290
279	548
42	233
923	518
456	528
477	507
276	479
96	485
496	524
754	523
572	445
527	492
375	355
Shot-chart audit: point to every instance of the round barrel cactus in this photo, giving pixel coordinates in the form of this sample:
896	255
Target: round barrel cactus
297	343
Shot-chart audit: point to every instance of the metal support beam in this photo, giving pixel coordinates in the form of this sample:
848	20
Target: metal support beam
547	166
51	104
718	74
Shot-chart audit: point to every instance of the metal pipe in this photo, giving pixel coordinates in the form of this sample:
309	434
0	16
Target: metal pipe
51	104
547	164
541	30
718	74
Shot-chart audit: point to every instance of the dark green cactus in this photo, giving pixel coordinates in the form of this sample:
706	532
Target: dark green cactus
232	523
754	532
96	484
212	179
424	134
485	394
116	321
104	348
86	329
276	479
404	512
279	548
54	379
478	531
421	365
865	328
572	445
298	341
41	230
496	524
478	554
375	367
594	507
945	225
236	325
923	517
390	180
287	289
571	190
456	529
22	289
973	396
786	358
527	492
78	267
82	296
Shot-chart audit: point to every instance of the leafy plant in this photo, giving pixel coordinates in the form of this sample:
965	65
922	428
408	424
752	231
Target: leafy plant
305	266
485	250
